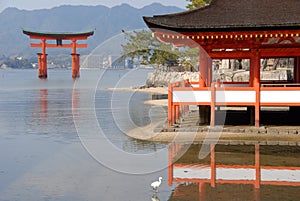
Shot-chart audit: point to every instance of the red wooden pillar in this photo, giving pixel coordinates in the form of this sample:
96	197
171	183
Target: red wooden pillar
40	67
202	68
173	114
75	65
297	70
170	104
213	105
75	60
209	71
44	66
177	113
255	63
203	82
42	61
251	73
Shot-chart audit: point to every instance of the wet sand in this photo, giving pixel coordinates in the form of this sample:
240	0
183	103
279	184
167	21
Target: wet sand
163	102
154	90
151	90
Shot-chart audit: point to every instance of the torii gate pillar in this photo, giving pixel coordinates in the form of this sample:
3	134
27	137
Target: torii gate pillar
42	65
75	60
75	65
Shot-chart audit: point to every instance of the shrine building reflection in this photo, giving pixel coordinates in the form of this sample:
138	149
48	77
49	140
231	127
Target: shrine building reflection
253	172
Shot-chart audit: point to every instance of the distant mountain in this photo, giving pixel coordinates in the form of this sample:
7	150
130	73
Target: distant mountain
107	22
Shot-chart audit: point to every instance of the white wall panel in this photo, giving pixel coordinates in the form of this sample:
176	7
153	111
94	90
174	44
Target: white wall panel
236	96
191	96
280	96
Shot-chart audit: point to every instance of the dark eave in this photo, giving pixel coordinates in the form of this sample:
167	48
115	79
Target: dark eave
233	15
58	35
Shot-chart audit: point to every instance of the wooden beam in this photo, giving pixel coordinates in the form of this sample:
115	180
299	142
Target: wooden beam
280	52
265	53
230	54
242	34
55	38
39	45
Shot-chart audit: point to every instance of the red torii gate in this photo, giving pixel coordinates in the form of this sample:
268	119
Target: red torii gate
58	37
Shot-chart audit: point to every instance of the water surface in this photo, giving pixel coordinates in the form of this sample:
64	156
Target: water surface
44	158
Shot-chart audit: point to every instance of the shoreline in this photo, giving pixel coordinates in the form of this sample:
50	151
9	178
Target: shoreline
152	90
148	133
153	132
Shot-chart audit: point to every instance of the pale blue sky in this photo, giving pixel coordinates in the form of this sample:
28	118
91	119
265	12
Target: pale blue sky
39	4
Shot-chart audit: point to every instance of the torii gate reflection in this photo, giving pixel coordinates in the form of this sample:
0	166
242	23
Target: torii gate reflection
217	173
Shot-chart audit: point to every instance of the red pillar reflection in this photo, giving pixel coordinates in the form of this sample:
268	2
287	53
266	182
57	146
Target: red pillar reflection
213	165
170	164
257	167
44	103
75	102
201	191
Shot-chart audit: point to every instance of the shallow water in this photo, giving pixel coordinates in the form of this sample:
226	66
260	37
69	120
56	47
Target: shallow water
66	140
42	156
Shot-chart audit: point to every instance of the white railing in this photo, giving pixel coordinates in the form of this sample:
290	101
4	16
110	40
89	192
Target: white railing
230	94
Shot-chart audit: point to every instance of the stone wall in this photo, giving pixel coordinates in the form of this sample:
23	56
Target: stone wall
160	78
227	75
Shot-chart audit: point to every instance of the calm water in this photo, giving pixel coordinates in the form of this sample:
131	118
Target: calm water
65	140
41	154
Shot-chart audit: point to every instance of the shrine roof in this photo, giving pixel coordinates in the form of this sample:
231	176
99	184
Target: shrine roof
233	15
58	35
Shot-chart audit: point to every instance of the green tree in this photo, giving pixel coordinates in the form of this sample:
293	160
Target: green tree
197	4
143	46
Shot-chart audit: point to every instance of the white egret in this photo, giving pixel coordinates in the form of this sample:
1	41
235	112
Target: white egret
156	184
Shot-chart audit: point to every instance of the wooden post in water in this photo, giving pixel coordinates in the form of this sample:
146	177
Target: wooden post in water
75	65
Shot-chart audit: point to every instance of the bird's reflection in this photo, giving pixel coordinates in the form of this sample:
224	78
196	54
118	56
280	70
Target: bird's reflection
155	197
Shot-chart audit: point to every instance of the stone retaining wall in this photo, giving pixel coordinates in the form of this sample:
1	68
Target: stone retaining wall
160	78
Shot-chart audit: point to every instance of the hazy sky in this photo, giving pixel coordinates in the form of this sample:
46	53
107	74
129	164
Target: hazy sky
39	4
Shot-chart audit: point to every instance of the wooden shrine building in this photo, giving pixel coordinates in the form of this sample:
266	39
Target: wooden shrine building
230	29
58	38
